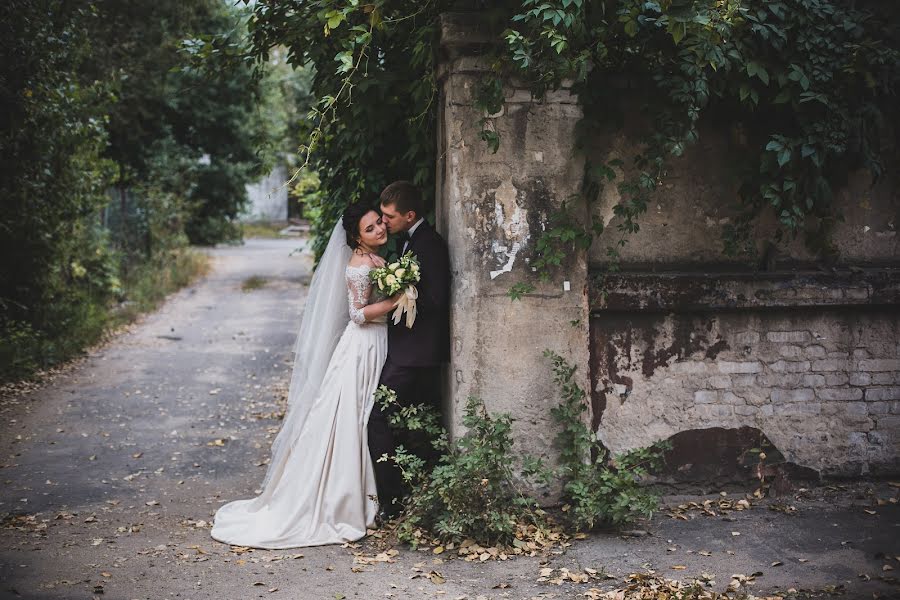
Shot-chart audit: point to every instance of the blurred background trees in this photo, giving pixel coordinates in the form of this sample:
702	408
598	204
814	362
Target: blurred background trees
117	152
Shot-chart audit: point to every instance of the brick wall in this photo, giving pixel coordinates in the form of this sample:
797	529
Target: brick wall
821	383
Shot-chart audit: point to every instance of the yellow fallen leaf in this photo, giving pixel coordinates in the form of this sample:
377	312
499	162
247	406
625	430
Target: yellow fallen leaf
679	567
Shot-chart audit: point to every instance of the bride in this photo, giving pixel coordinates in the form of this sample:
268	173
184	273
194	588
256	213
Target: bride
320	485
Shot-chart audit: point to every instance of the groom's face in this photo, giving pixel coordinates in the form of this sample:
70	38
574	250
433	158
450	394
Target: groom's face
396	221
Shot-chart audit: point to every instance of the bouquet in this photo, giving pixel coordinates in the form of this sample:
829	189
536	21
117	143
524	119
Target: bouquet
400	275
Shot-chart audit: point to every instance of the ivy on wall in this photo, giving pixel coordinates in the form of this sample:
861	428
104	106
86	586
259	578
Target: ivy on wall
813	81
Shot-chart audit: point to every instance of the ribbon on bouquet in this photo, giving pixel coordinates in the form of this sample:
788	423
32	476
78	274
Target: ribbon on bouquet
407	304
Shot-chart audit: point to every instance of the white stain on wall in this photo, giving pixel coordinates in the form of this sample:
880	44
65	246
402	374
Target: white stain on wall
511	221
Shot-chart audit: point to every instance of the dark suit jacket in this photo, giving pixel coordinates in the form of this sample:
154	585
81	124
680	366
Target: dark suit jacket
427	343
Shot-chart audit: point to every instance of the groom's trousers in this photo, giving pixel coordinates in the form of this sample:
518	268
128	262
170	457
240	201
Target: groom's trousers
413	385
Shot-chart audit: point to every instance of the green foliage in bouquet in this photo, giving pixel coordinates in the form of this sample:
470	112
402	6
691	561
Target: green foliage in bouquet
396	276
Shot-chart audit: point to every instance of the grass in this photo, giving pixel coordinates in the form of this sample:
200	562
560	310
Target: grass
253	283
149	284
24	353
263	229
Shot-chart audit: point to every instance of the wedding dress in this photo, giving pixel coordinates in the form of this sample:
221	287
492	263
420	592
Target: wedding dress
320	485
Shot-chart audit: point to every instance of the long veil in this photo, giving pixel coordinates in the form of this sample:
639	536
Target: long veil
325	316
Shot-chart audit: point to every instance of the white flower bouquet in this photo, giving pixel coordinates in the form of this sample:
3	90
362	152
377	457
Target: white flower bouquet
400	275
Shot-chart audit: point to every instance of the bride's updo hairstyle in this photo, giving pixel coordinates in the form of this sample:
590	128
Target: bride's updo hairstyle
353	214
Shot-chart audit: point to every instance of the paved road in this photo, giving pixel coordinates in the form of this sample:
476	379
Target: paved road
113	471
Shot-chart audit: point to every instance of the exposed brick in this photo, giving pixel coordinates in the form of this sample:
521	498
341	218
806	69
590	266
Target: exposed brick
858	439
886	378
814	380
746	337
745	411
740	381
880	364
895	408
788	337
801	395
706	397
889	423
715	411
830	364
875	438
725	366
840	394
783	366
860	379
860	353
814	351
732	398
782	380
720	382
836	378
790	351
879	408
831	409
882	393
690	366
856	409
798	409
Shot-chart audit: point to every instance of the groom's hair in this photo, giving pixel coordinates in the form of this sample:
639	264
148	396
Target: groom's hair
404	196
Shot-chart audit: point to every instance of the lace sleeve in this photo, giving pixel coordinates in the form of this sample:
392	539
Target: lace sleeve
358	290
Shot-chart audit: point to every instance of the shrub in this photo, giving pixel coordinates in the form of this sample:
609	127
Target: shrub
599	489
471	491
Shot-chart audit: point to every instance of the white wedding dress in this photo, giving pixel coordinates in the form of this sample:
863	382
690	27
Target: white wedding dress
320	484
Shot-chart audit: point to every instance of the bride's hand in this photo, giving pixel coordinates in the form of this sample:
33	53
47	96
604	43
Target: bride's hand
395	299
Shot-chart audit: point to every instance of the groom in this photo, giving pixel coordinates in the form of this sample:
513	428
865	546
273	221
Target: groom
412	368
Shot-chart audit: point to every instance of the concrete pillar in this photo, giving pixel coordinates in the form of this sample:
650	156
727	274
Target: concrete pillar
492	208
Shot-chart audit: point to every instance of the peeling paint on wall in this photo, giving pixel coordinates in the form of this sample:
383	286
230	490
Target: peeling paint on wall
511	223
510	254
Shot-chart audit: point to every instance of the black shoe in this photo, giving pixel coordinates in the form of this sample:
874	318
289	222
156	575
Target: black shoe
388	513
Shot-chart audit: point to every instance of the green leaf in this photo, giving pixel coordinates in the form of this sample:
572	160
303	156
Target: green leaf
677	30
784	156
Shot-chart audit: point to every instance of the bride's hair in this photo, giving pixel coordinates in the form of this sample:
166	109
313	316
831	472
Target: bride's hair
353	214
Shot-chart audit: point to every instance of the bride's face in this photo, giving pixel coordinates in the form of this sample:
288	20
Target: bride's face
372	231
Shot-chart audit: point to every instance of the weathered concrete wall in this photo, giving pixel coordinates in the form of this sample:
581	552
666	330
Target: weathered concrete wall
684	343
490	209
699	197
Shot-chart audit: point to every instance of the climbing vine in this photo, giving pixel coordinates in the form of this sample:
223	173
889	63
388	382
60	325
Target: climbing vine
813	82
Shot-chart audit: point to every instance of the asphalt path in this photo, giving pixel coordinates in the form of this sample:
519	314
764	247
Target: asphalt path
112	473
